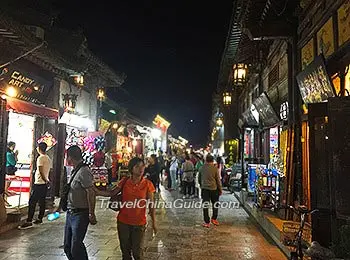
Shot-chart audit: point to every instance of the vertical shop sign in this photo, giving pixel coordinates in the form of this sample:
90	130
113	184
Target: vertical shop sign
307	54
344	23
325	39
231	151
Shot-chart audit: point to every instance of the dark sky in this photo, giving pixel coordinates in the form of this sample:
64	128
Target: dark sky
170	51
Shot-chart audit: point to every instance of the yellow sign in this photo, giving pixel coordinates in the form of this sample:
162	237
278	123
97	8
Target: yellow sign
325	39
161	122
344	23
307	53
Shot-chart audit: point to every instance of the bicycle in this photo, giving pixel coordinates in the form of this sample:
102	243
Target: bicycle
315	250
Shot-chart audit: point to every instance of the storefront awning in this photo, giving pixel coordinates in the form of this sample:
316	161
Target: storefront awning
23	107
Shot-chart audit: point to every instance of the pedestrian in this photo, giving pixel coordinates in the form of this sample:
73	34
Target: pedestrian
211	190
174	165
39	189
198	166
161	162
132	221
11	169
153	171
109	166
167	172
187	177
80	206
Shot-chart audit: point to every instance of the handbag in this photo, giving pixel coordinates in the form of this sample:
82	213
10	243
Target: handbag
66	188
114	202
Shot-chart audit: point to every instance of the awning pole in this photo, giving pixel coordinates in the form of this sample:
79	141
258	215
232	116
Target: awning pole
23	55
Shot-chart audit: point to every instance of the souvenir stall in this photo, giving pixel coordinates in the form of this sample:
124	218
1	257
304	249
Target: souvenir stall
94	155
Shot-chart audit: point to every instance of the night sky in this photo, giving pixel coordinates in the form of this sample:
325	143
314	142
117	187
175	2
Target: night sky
170	51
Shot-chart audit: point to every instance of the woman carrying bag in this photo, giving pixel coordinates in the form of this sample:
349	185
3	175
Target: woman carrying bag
132	220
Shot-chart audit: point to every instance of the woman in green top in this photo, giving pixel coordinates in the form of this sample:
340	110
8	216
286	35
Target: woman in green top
11	161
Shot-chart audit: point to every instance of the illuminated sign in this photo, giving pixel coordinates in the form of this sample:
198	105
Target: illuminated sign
31	88
161	123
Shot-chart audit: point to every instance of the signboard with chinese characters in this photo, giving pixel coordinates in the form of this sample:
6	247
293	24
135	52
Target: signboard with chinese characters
32	86
325	39
314	83
344	23
231	150
307	53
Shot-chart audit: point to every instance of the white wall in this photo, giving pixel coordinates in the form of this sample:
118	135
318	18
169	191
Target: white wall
86	102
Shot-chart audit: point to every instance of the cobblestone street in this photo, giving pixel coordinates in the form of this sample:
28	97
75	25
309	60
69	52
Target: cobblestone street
180	236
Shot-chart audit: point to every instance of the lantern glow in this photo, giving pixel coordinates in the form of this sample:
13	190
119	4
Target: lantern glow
227	98
239	73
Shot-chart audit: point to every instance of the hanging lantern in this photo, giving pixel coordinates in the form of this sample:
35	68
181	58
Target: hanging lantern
239	74
227	98
101	95
79	80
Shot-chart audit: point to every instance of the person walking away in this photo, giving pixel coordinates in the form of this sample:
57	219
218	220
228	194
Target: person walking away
198	166
39	190
132	220
193	184
173	171
153	171
81	206
211	190
109	166
161	162
167	171
188	178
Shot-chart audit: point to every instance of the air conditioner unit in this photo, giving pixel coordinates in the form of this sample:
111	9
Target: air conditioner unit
37	31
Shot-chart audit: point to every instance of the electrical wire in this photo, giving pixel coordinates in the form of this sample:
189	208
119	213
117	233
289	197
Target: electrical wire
23	55
283	10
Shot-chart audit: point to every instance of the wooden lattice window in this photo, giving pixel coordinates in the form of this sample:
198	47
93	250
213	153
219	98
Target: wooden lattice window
274	76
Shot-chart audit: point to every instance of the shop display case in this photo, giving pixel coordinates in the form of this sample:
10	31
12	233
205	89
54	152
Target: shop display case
267	188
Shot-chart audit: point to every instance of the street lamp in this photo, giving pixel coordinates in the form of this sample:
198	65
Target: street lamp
227	98
239	74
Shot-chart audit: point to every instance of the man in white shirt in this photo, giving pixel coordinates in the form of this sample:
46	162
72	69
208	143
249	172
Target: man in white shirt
39	189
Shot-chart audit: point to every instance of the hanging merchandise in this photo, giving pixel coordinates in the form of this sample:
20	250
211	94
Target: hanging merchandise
48	139
89	144
100	143
99	159
75	137
88	158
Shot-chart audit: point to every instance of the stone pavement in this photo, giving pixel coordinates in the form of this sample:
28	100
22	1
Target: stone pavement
180	236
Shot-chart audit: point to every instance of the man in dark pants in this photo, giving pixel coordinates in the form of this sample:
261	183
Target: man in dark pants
209	180
81	206
39	190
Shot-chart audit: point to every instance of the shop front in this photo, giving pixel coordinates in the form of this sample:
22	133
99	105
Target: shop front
27	91
324	86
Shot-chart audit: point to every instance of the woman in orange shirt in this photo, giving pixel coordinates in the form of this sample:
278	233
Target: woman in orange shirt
132	218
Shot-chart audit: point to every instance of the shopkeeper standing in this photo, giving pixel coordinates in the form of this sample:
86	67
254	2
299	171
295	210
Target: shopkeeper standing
41	182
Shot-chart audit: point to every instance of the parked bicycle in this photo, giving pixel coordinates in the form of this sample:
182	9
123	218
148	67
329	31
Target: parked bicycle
315	250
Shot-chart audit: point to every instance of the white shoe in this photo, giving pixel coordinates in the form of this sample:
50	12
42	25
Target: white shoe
184	197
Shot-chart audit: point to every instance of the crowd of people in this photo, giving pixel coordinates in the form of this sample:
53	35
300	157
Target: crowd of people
191	174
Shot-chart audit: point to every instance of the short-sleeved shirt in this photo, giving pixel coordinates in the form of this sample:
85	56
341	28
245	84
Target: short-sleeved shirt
45	162
132	192
77	197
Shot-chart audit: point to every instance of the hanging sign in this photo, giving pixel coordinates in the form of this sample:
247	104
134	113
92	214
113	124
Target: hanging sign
48	139
29	87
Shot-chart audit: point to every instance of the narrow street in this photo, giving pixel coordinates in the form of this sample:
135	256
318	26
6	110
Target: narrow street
180	236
